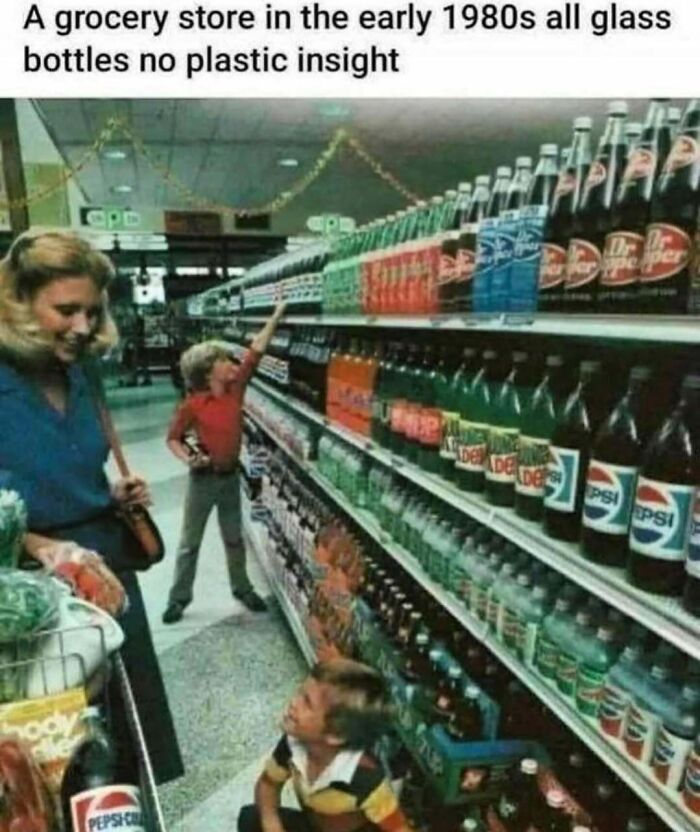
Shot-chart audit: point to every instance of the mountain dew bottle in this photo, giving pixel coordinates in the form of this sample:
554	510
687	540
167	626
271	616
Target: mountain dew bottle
475	402
513	397
537	425
448	400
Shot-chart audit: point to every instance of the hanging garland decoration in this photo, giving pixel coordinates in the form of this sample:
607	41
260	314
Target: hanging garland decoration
111	128
115	127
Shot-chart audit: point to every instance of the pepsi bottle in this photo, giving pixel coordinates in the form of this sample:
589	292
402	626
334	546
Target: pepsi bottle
612	473
663	500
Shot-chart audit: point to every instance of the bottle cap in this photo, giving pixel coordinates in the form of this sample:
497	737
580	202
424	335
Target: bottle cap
519	357
529	766
471	692
484	180
555	799
490	355
583	123
422	638
454	672
450	194
633	129
421	203
435	655
590	367
549	150
464	187
503	172
523	162
437	200
554	361
618	108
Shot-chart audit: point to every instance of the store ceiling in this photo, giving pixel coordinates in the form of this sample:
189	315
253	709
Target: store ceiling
228	151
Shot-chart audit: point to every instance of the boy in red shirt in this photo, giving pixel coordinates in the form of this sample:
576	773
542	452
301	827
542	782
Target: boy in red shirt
213	411
337	714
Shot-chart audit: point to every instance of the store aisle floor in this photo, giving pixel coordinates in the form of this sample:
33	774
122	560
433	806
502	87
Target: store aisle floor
228	672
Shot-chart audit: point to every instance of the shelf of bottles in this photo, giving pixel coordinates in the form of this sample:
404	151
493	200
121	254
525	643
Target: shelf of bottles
667	805
660	329
254	532
663	616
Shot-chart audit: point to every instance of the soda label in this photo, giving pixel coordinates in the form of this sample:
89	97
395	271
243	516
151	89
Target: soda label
565	184
612	714
589	689
642	163
622	258
478	603
511	629
533	456
597	174
502	455
552	266
667	252
609	497
466	262
398	415
471	446
546	657
527	254
430	427
583	263
567	666
691	783
660	519
640	733
685	151
108	807
450	435
411	425
670	756
447	271
692	564
562	479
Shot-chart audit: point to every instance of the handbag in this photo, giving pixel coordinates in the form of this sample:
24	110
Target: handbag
144	541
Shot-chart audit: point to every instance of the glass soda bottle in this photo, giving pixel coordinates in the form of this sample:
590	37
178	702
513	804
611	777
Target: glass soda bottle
466	246
593	217
691	592
676	736
449	402
664	496
537	424
568	455
567	195
612	473
456	203
624	680
666	284
624	245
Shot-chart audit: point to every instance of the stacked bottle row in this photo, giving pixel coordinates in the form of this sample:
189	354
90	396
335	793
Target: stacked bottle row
639	693
610	232
424	633
556	442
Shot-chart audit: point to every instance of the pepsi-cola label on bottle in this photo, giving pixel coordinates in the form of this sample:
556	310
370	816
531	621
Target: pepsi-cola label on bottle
485	255
692	564
108	807
691	783
660	519
670	755
562	479
612	714
609	497
527	255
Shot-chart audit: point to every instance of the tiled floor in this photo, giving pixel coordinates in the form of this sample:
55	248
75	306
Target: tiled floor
228	672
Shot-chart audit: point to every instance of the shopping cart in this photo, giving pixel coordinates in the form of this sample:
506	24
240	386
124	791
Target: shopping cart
45	663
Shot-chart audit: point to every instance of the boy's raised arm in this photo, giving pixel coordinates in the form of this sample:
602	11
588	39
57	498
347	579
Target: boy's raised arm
267	799
262	340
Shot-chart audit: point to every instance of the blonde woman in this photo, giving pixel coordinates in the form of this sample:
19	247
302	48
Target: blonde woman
54	316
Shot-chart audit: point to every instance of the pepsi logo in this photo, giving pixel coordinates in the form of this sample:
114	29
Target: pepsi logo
602	493
660	519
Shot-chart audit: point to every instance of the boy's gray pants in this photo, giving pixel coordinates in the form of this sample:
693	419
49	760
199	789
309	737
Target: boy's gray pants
207	489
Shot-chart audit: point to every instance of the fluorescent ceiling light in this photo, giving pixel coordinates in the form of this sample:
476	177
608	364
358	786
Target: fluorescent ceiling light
115	155
288	163
122	189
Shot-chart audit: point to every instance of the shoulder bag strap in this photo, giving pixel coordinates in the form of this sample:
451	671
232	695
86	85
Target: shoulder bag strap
106	420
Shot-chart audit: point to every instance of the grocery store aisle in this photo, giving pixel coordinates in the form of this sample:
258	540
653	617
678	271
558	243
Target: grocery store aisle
227	671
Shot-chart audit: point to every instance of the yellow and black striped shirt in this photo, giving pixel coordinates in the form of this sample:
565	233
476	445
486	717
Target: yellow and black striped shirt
351	795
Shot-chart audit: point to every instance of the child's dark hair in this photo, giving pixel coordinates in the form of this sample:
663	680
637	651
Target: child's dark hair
360	711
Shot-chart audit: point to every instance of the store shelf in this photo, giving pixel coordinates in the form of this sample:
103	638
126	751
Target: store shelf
252	531
666	806
650	328
663	616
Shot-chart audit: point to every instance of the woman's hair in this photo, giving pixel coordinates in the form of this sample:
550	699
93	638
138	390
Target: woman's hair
360	711
35	259
197	362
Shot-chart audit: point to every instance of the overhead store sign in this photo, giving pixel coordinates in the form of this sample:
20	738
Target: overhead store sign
110	219
329	224
195	223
